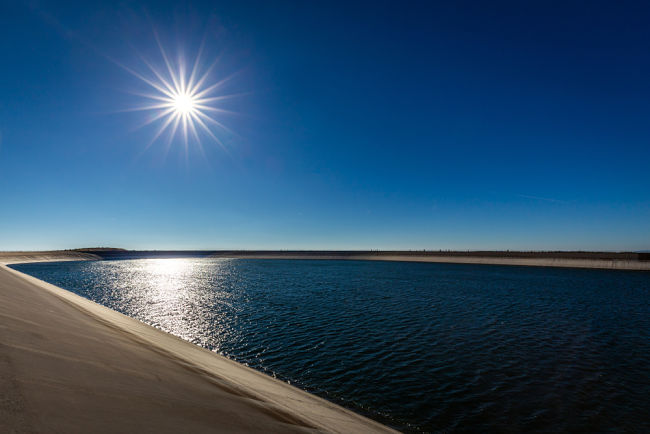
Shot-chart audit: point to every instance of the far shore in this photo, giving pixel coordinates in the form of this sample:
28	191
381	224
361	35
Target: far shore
602	260
611	264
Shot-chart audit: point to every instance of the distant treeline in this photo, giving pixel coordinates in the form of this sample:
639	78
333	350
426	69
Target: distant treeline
113	253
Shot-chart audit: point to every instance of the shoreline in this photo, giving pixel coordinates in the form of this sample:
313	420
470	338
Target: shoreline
587	260
624	265
240	398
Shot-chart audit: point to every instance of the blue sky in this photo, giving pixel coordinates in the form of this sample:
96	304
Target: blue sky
357	125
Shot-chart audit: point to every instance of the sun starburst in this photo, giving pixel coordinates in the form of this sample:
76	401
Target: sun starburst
183	102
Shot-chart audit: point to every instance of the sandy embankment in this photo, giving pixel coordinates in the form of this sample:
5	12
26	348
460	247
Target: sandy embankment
70	365
531	262
45	256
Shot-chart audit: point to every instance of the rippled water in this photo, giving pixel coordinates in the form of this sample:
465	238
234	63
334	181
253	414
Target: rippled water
420	347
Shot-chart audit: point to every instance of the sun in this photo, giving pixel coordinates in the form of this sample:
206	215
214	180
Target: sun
183	100
184	104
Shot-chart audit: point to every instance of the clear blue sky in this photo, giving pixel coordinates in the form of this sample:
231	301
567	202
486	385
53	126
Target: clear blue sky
407	125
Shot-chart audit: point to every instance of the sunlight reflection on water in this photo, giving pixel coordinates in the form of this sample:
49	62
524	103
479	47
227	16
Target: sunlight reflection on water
176	295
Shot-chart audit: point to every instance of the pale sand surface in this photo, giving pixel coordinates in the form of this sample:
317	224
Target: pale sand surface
56	255
70	365
533	262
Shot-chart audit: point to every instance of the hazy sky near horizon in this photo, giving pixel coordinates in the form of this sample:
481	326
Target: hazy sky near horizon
355	125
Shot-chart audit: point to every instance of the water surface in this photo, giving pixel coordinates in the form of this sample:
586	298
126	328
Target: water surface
420	347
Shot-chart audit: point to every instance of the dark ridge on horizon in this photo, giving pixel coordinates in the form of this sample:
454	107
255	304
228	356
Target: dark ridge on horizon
117	253
99	249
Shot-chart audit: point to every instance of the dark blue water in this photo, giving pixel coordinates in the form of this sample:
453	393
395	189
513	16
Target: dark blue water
420	347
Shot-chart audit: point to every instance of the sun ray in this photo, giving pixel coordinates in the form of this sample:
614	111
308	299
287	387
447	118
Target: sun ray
145	80
198	141
170	69
184	117
215	122
190	82
215	109
150	96
210	133
214	87
170	139
160	131
162	128
220	97
205	75
160	115
181	75
195	134
149	107
159	76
